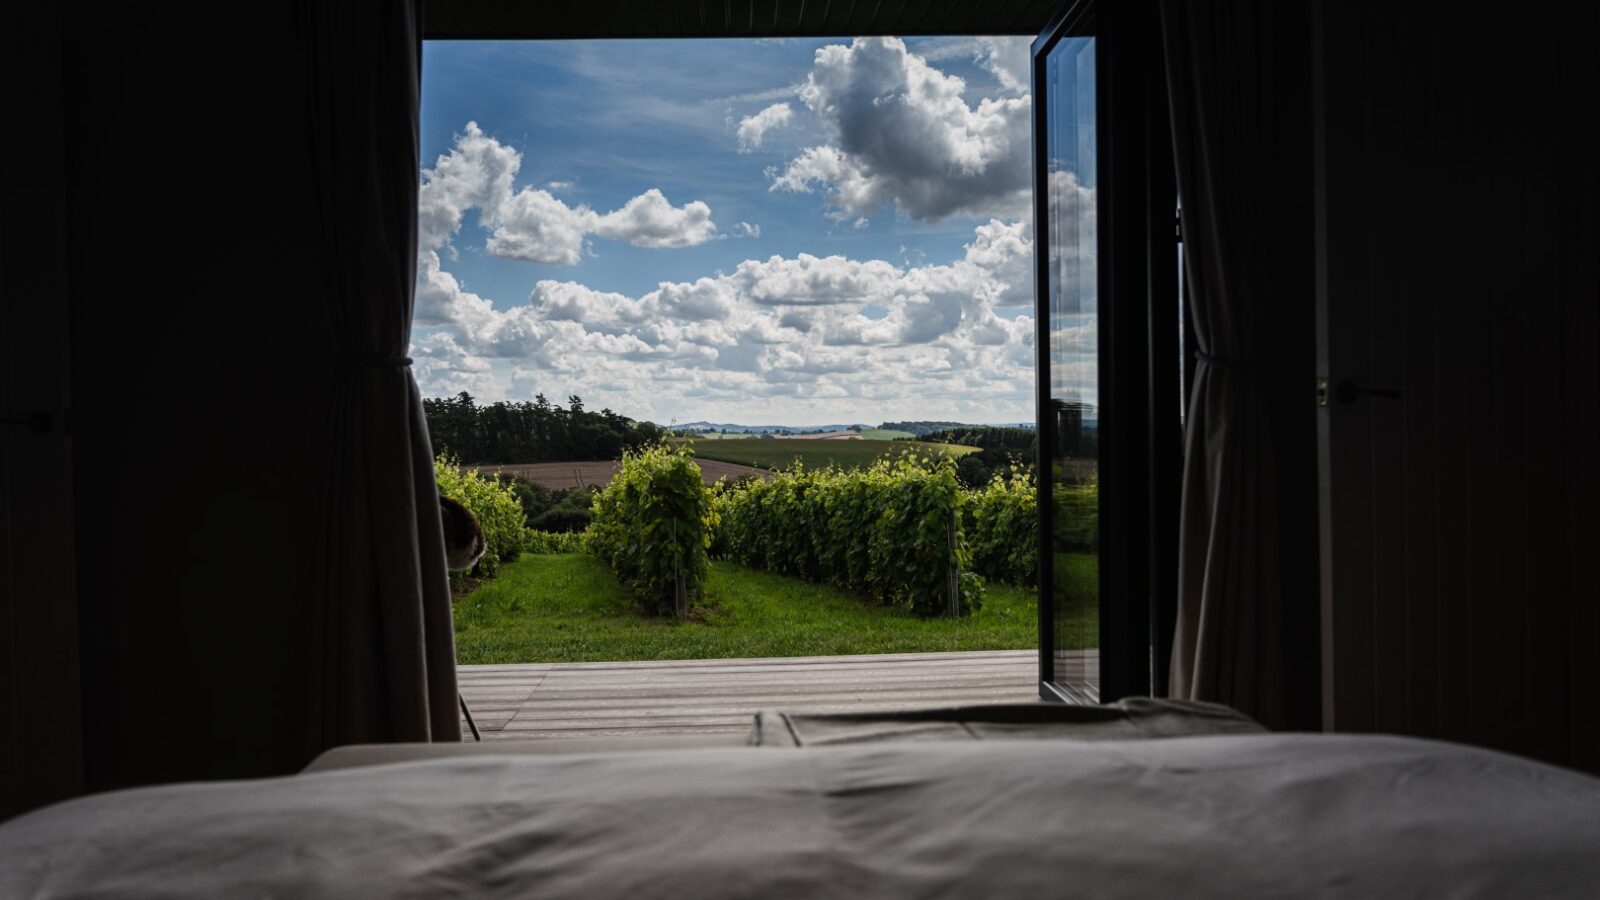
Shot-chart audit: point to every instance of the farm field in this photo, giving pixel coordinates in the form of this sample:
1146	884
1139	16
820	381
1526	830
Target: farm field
563	475
823	436
867	434
816	454
569	608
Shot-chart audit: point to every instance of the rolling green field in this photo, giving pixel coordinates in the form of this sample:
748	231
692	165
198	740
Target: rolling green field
816	454
870	434
569	608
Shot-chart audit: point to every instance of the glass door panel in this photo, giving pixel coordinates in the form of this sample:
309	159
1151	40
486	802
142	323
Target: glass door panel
1070	380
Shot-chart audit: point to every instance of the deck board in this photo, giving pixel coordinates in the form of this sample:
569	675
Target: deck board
720	696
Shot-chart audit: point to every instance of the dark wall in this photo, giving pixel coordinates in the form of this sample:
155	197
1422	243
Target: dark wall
39	716
200	360
1286	258
1457	267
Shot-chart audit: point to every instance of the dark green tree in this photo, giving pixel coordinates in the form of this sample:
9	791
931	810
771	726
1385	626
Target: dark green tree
527	432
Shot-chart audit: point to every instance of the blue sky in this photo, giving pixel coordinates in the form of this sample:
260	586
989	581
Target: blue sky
798	231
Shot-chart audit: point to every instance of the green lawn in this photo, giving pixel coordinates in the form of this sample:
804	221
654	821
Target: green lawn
816	454
569	608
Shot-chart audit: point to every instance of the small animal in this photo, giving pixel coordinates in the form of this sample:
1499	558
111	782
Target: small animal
463	536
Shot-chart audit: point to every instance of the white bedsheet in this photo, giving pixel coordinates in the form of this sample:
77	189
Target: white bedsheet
1300	816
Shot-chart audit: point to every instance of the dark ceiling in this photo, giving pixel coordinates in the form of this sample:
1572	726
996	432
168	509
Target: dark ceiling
488	19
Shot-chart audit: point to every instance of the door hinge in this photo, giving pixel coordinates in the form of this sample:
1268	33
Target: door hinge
1322	392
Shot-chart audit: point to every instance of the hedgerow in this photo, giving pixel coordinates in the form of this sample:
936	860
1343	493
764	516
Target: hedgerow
554	541
892	531
547	509
653	524
495	505
1003	529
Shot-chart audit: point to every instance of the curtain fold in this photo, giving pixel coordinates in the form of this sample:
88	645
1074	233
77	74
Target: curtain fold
386	670
1227	110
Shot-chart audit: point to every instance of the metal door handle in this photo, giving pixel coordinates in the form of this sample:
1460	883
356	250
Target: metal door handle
1349	391
38	421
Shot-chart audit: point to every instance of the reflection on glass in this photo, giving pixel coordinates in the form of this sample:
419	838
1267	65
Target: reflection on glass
1074	365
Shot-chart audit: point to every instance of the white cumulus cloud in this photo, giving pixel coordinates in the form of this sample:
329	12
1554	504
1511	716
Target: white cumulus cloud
477	173
443	367
802	337
905	136
532	224
752	129
806	280
1008	59
649	220
799	337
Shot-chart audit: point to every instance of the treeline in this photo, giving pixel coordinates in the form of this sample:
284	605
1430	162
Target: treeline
988	437
1000	451
919	428
529	432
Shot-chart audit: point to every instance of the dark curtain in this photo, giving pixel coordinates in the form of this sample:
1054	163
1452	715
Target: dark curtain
387	651
1237	82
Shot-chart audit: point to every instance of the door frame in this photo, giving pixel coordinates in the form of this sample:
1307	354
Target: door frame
1140	438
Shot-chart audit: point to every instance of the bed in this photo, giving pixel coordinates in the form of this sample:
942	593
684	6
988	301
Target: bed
1233	813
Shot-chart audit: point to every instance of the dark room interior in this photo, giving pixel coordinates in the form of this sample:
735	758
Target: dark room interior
1385	518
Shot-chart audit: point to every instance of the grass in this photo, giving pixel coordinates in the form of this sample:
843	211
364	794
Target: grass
778	453
569	608
884	434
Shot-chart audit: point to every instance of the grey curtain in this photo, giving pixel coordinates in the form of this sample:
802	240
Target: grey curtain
387	667
1234	91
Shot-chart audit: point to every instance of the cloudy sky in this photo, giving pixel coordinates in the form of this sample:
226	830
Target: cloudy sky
795	231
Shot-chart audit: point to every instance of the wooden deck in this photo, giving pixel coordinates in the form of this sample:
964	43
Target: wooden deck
719	696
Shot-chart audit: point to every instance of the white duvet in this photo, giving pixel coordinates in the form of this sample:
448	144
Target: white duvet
1301	816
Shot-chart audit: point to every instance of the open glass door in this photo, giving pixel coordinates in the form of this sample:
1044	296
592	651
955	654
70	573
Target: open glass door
1110	437
1065	183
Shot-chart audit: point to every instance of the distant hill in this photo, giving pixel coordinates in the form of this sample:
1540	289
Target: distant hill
732	428
919	428
780	453
906	429
923	429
